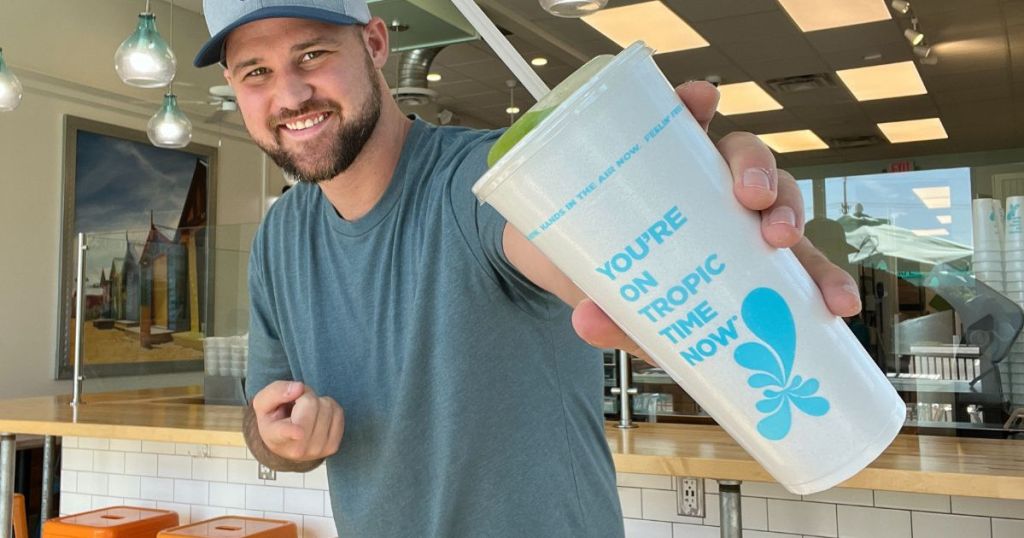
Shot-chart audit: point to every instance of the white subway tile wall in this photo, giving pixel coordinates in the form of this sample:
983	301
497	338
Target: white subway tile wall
202	481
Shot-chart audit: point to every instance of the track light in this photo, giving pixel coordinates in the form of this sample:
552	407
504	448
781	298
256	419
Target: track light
913	36
929	60
922	51
900	6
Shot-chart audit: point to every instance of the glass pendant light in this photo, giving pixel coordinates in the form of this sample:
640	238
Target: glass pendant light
144	60
10	87
169	127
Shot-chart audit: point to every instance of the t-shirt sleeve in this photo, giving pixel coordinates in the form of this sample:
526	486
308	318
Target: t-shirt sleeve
483	228
268	361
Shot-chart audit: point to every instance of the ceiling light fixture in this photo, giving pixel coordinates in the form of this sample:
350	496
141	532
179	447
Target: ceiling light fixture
539	61
634	22
789	141
744	98
433	77
572	8
170	127
813	15
144	60
913	36
933	197
884	81
900	6
10	87
512	109
913	130
922	51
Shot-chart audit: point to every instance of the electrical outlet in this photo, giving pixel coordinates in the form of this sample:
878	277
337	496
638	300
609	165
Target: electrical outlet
689	496
266	473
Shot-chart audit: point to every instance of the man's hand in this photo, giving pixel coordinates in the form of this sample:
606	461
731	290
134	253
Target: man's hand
296	424
759	186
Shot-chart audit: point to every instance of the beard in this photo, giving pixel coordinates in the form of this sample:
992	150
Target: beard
317	163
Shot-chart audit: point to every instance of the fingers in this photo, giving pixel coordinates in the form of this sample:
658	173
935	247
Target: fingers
275	395
755	178
701	98
782	224
309	428
837	286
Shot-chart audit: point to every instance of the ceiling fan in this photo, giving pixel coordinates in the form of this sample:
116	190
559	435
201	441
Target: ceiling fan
222	98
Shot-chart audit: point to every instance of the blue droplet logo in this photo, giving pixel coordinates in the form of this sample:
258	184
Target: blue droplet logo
767	315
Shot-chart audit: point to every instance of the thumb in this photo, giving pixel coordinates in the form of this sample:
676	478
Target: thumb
276	394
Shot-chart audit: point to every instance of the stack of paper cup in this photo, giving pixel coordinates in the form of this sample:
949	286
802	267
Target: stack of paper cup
988	243
1013	260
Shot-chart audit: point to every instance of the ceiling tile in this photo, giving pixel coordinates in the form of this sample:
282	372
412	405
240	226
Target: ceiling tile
972	54
697	64
903	108
945	82
862	36
461	53
779	47
815	97
880	53
823	115
786	67
756	26
770	121
718	9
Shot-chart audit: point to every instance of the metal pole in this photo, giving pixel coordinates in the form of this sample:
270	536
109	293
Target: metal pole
49	443
76	396
624	390
729	509
7	456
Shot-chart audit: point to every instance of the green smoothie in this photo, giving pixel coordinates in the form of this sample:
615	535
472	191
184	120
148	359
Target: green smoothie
545	107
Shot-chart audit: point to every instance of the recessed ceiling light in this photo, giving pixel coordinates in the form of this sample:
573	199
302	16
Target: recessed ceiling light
945	219
790	141
913	130
652	22
883	81
811	15
539	61
744	98
512	110
433	77
933	197
931	232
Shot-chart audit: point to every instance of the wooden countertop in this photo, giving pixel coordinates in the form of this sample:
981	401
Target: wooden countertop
919	464
168	415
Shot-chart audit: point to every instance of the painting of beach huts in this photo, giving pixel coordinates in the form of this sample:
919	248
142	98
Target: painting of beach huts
145	213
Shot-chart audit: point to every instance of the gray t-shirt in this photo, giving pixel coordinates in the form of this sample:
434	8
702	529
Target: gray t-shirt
471	406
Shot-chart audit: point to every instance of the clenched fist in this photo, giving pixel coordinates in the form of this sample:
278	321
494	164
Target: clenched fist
296	424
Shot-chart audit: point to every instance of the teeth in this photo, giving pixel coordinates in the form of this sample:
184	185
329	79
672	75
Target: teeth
300	125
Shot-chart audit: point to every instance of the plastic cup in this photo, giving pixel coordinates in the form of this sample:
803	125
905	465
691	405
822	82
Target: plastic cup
987	267
1011	287
988	275
209	363
1012	231
987	216
987	255
1013	265
1014	255
1013	276
625	193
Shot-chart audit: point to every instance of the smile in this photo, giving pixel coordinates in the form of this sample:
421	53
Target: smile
302	125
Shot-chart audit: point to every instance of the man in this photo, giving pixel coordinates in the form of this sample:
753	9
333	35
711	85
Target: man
388	306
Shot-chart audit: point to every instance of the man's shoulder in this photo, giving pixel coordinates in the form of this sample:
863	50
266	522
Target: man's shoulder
448	152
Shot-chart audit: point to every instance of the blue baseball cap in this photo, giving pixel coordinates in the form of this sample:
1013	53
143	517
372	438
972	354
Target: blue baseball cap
223	16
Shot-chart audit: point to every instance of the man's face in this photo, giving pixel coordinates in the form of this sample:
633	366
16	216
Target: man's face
307	91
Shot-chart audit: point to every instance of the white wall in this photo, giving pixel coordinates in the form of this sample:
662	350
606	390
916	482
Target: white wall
205	481
63	52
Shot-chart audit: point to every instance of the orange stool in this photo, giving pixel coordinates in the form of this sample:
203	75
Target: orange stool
234	527
113	522
18	516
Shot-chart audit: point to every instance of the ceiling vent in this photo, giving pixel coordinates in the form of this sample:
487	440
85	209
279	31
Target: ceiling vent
412	77
848	142
801	83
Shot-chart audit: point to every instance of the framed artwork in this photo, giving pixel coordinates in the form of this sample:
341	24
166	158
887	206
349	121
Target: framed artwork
147	214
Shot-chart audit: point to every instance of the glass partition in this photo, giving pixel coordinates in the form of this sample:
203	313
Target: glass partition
163	307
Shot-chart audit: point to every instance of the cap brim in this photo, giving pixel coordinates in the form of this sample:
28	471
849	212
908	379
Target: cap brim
210	52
